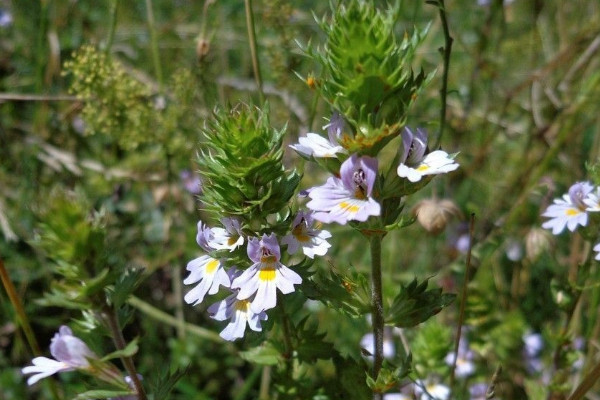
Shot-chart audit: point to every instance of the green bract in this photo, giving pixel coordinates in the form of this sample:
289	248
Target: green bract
241	165
366	73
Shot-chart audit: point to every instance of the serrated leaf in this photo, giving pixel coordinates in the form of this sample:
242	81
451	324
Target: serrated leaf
265	354
415	304
124	286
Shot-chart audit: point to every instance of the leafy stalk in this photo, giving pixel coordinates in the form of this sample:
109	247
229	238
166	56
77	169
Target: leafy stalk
446	51
110	317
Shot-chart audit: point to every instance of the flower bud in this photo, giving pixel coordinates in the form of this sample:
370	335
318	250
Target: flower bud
202	48
434	214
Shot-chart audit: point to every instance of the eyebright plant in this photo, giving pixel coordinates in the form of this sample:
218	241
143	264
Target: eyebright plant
367	79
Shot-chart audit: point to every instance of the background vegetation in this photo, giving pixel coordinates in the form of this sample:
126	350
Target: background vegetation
523	112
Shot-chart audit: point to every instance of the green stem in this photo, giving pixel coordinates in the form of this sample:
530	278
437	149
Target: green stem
377	303
447	50
154	44
253	52
463	300
112	25
24	321
165	318
265	383
110	316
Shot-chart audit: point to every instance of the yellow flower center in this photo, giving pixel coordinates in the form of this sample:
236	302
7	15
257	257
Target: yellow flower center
349	207
211	266
299	233
242	305
267	274
231	241
423	167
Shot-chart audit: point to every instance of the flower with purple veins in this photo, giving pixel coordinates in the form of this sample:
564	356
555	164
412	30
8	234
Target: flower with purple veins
592	200
317	146
210	274
206	270
265	276
228	238
313	241
348	198
414	163
570	211
69	353
238	313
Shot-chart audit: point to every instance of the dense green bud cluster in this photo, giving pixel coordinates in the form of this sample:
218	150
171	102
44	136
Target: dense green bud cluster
241	169
115	104
366	72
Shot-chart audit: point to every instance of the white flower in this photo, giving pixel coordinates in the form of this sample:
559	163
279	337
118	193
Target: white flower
317	146
367	342
395	396
239	313
265	276
432	391
210	273
592	201
570	211
313	242
229	238
436	162
69	353
597	250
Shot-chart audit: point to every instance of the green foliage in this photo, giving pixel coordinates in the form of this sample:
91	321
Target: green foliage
115	104
430	346
415	304
351	379
349	294
390	375
310	344
124	287
101	394
242	167
265	354
366	72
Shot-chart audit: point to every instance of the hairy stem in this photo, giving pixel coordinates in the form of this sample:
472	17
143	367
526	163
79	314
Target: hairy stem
110	316
446	51
253	47
24	321
377	303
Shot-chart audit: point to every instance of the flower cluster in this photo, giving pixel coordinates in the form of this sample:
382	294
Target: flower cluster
572	209
254	290
349	197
